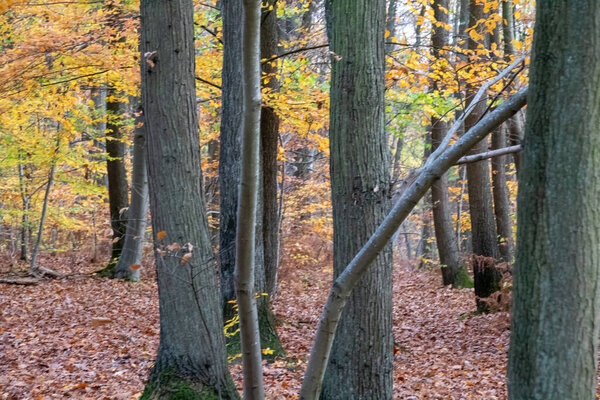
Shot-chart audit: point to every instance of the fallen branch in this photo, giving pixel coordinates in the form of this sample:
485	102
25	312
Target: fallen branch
19	280
348	279
489	154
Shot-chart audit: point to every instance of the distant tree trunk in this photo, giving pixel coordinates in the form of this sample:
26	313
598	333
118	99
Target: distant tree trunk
269	135
33	267
390	24
191	360
117	181
361	362
230	151
501	197
556	304
97	155
442	216
130	261
483	228
25	218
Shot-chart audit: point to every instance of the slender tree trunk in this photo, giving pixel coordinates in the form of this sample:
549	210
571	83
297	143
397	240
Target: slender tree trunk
117	181
269	135
556	304
33	267
501	197
25	218
246	229
442	220
191	360
483	228
361	363
129	263
390	24
346	282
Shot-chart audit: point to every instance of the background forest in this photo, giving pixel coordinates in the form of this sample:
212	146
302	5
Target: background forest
106	175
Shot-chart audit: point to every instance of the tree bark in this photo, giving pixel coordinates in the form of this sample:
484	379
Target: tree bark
556	304
191	358
246	221
361	363
117	181
483	228
25	218
501	197
442	216
231	145
269	140
130	261
346	282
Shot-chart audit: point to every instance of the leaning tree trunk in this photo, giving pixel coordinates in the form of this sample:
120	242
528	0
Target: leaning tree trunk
117	181
191	360
483	228
453	273
556	304
361	362
129	263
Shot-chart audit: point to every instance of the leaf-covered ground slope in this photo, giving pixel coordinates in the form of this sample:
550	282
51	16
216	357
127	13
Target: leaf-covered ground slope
89	338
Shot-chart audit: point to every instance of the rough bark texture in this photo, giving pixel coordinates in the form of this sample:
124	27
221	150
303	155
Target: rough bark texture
501	197
361	360
442	215
483	228
129	263
269	134
117	179
556	303
25	228
231	145
191	358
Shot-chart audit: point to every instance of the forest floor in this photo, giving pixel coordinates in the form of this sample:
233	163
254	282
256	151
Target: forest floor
85	337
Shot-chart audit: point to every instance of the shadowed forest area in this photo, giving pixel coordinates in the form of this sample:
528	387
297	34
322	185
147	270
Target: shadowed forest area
299	199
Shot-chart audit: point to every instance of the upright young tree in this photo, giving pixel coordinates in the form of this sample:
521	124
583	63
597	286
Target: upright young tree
361	360
556	304
191	360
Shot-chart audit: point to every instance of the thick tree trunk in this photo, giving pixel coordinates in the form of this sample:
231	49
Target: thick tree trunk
269	140
231	145
483	228
361	363
501	197
191	360
129	263
447	245
117	181
556	304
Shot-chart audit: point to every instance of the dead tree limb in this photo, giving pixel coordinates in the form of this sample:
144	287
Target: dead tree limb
489	154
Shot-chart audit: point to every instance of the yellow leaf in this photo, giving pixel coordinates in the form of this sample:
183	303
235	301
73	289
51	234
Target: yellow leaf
135	267
161	235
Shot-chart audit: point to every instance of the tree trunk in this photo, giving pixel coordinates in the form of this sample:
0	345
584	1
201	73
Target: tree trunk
117	181
361	363
556	304
129	263
346	282
25	218
501	197
483	228
246	220
442	217
191	360
33	267
230	151
269	135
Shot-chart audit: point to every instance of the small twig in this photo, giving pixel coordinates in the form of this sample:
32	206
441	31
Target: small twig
489	154
208	82
287	53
